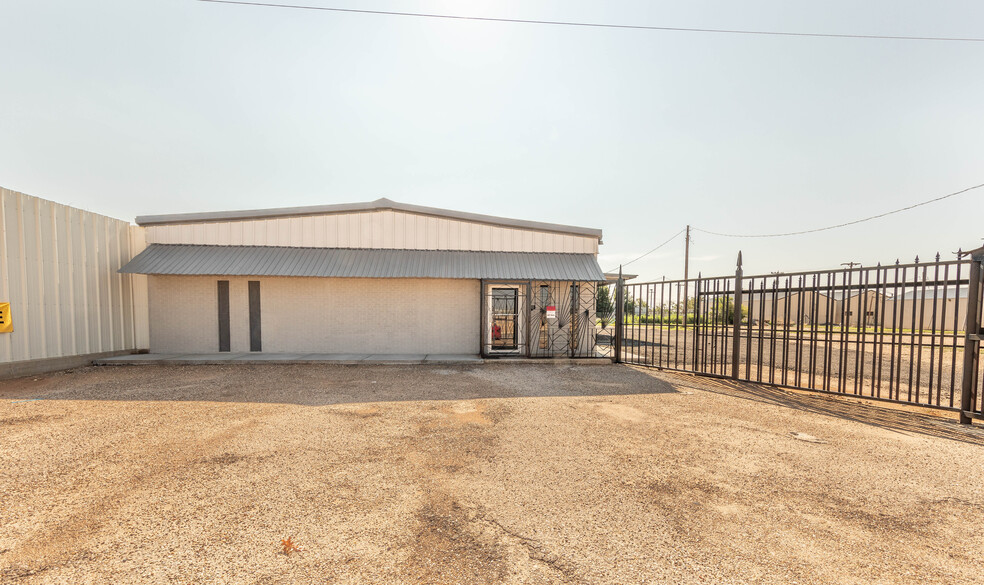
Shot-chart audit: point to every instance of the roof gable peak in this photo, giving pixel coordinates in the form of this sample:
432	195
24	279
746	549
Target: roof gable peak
378	205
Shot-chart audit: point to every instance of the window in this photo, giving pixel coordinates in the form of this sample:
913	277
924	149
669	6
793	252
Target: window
224	335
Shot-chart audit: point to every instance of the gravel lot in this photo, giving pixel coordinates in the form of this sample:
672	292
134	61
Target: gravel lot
479	474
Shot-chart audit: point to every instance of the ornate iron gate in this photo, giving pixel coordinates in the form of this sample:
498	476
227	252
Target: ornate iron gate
904	332
547	319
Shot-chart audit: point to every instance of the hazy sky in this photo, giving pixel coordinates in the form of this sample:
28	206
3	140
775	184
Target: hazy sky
165	106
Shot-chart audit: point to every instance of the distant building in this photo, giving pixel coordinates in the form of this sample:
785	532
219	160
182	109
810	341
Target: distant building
915	309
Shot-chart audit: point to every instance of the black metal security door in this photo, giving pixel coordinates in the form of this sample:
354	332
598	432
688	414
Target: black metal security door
505	319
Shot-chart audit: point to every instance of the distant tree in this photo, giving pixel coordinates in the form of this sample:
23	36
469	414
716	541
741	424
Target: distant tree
634	306
688	313
605	306
723	311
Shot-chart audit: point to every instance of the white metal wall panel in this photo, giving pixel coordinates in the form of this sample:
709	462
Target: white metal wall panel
58	271
371	229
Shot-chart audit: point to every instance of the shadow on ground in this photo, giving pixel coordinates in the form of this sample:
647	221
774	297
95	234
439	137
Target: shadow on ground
326	384
900	419
329	384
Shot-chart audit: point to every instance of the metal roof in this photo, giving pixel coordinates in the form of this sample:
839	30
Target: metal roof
768	295
949	292
613	276
186	259
377	205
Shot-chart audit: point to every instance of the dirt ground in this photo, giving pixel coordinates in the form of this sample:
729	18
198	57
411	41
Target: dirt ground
475	474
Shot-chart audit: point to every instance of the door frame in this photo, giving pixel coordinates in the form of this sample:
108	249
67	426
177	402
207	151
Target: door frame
522	289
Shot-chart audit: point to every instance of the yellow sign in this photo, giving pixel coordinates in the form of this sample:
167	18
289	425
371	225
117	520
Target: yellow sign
6	326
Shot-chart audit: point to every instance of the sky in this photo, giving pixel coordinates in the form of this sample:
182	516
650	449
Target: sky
142	107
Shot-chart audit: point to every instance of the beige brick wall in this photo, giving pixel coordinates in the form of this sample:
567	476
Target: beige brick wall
183	314
319	315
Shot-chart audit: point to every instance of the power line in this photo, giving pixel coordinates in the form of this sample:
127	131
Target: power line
673	237
845	224
602	25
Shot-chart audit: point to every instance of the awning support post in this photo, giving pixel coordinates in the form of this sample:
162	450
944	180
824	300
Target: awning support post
619	316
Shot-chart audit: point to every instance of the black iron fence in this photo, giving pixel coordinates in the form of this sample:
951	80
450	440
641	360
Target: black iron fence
903	332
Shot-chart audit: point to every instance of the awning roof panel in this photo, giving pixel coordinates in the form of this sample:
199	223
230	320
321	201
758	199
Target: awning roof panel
186	259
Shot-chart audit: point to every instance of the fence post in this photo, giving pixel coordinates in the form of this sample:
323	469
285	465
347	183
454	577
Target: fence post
972	332
619	317
696	322
736	323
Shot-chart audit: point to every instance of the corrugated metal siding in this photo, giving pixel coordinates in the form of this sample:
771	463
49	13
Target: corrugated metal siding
347	262
385	229
383	204
58	270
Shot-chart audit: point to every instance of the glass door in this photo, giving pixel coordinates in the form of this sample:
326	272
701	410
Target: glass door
505	319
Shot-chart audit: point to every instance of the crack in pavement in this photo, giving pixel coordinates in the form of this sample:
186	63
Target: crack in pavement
536	550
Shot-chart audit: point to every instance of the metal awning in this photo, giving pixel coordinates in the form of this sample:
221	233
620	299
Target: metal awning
186	259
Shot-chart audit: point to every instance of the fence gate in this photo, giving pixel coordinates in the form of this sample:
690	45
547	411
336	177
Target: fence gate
902	332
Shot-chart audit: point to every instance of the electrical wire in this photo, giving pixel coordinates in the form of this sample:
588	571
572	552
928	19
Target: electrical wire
603	25
673	237
840	225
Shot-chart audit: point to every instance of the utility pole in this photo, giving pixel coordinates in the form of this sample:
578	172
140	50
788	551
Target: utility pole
686	256
686	279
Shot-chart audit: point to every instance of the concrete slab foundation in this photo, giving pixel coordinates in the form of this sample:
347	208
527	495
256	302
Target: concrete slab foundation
334	358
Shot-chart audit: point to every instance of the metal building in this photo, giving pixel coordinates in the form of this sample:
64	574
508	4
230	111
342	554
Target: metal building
62	301
369	278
